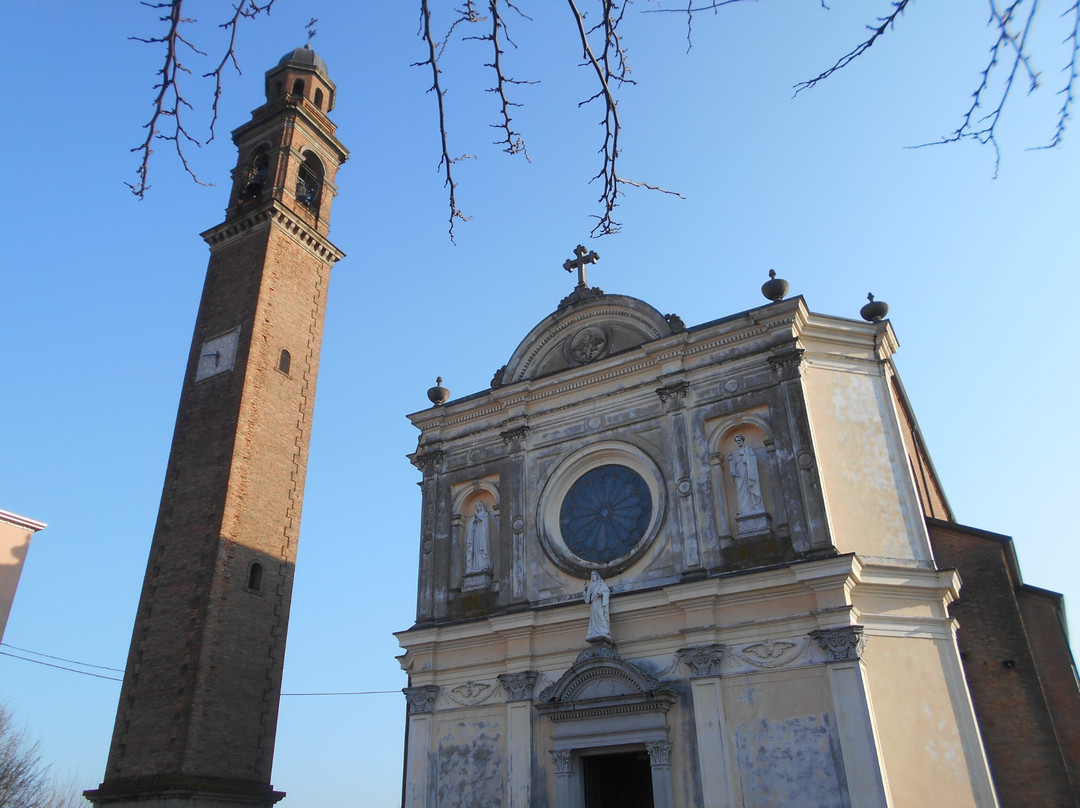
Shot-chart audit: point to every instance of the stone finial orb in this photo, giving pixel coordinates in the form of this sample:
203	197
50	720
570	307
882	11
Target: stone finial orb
774	288
438	394
875	311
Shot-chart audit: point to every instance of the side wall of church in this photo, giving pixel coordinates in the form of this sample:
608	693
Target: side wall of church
872	503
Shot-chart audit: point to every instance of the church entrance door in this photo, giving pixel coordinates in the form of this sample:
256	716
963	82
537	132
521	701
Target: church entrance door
622	780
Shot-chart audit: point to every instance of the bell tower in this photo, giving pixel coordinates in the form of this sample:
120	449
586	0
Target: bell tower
197	716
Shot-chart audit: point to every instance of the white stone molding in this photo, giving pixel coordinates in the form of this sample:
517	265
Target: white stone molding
429	462
518	686
674	395
703	660
515	438
420	699
659	753
561	759
787	362
841	644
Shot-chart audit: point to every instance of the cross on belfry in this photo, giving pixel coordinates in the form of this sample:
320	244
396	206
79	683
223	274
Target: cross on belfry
311	30
579	263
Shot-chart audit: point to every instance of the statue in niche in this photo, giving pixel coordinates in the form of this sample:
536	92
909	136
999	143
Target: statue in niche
744	471
598	596
477	541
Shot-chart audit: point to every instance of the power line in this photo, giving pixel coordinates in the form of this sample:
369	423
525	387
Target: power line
346	693
60	667
120	670
61	659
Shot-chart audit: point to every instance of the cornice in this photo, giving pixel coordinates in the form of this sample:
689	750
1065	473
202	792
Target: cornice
21	521
273	213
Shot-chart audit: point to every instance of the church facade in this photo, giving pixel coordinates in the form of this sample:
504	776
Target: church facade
673	567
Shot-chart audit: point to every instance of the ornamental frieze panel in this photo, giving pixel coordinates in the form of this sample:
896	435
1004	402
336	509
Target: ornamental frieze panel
469	694
769	654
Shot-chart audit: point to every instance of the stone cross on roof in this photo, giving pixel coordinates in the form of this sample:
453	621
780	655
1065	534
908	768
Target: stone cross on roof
579	264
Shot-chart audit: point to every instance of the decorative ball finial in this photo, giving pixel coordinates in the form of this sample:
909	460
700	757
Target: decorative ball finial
438	394
874	311
775	288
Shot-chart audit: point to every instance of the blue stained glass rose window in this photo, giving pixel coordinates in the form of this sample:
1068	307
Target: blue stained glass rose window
605	513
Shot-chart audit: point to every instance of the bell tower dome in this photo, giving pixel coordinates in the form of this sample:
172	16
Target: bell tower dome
197	717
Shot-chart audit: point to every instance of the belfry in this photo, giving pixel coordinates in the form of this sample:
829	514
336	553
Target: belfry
710	580
198	709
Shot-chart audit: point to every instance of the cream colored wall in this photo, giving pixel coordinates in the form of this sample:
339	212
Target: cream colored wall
15	534
925	723
870	497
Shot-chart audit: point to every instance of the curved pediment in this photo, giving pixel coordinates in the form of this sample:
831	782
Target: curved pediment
599	674
583	331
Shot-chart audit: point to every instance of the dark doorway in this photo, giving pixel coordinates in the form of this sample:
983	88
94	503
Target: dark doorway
622	780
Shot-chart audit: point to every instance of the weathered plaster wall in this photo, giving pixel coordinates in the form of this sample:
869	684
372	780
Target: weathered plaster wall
925	723
785	747
869	493
471	759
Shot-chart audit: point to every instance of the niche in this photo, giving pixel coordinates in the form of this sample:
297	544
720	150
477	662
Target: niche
742	466
476	519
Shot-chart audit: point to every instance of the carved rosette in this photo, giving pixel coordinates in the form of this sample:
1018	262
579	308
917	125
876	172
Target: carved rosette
518	686
840	644
429	462
659	753
515	438
420	699
561	758
702	661
786	364
674	395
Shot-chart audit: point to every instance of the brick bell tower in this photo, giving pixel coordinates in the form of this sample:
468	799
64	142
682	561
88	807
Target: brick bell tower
198	710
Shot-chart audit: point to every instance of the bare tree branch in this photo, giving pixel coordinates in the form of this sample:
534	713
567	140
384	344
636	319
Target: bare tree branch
602	50
514	142
884	24
983	128
1069	90
248	9
466	14
169	102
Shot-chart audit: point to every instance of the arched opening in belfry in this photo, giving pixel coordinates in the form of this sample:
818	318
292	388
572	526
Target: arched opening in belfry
298	87
309	181
254	178
318	97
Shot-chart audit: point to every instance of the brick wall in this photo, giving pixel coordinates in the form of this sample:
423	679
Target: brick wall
1004	676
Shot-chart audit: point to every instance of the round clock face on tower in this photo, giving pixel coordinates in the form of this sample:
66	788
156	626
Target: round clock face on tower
601	509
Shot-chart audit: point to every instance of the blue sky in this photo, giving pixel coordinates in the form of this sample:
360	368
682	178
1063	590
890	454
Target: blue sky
101	291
